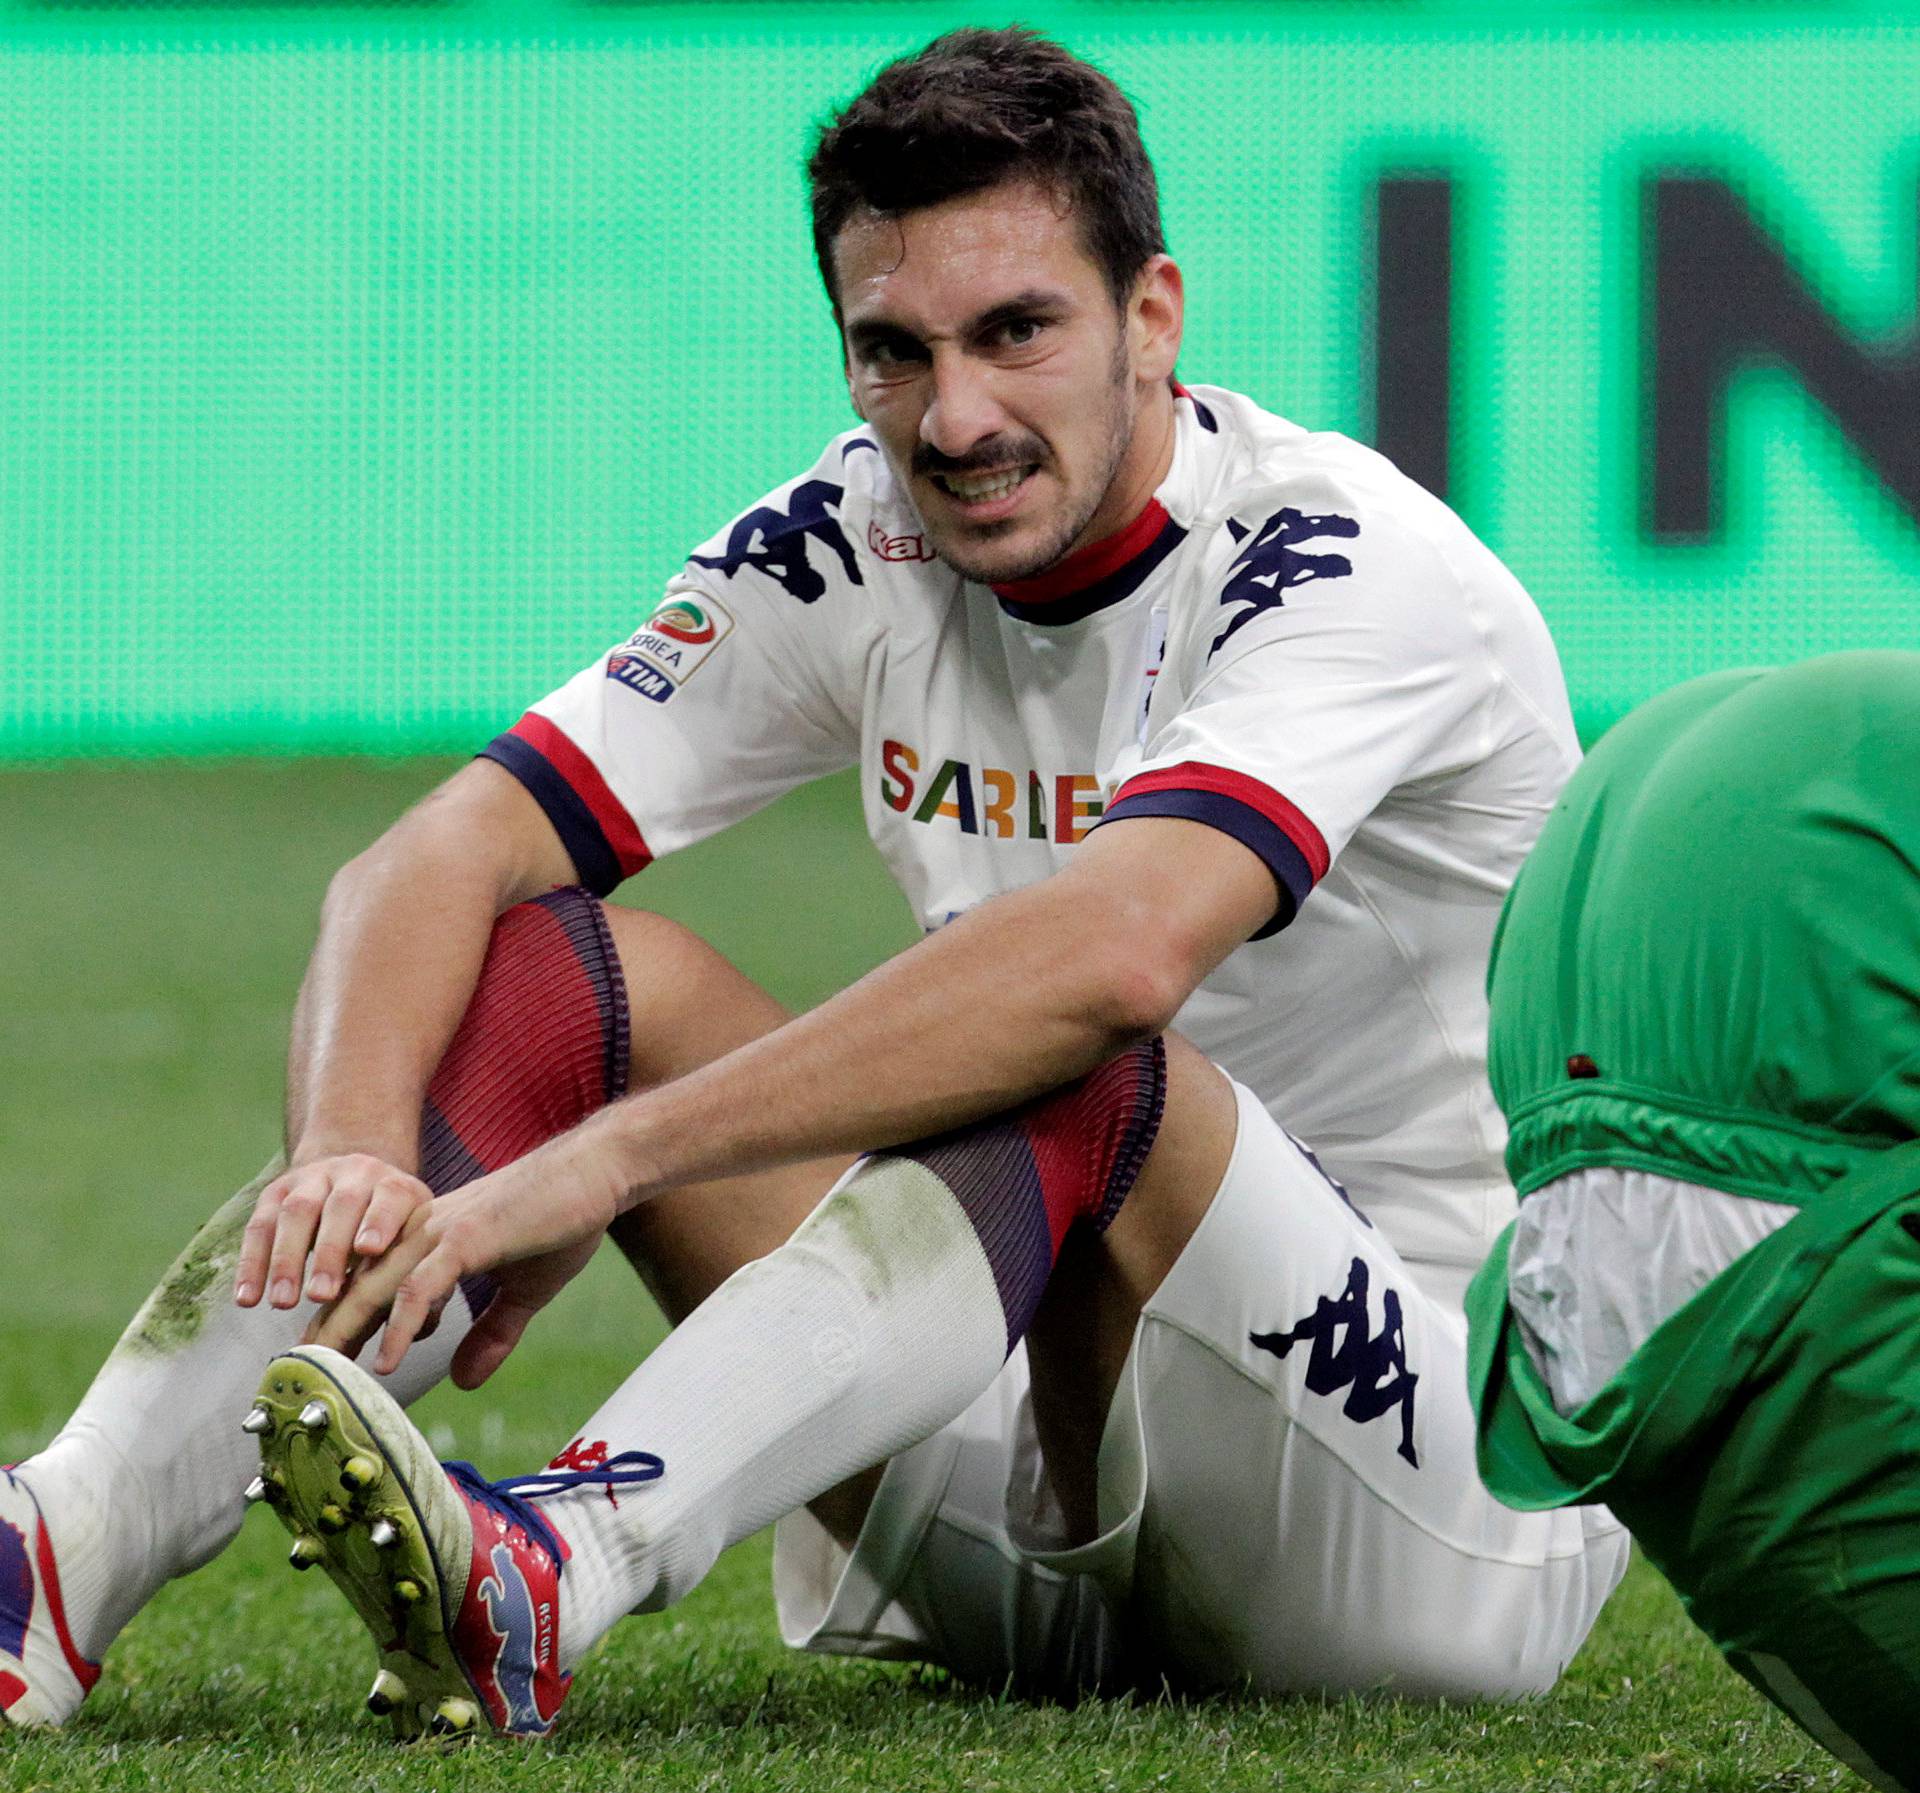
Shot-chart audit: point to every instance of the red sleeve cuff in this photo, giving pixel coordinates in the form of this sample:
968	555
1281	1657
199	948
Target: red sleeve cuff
1254	814
591	821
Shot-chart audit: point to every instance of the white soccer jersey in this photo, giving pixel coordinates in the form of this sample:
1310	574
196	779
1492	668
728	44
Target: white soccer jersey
1293	644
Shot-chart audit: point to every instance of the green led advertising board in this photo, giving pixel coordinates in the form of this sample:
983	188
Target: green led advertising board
363	371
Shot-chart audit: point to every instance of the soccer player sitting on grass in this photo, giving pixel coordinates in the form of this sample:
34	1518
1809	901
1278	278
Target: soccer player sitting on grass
1706	1036
1168	714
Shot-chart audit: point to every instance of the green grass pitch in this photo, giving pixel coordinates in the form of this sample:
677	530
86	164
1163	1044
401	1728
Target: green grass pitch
156	922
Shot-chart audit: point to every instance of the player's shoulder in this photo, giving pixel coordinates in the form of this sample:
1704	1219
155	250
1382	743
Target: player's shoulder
831	532
1272	492
1285	523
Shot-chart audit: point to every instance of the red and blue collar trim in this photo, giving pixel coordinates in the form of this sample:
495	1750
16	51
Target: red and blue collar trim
1096	576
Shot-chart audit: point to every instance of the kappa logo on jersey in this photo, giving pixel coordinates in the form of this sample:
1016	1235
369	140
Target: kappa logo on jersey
669	648
775	542
1373	1370
1268	564
897	547
1062	808
16	1591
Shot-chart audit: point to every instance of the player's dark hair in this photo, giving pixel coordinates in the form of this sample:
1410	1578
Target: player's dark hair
976	108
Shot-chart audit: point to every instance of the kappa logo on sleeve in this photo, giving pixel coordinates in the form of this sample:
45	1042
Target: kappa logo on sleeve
1373	1370
774	542
670	647
1270	565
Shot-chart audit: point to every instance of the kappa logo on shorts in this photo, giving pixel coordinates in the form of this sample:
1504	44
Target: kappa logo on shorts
1268	564
1373	1371
669	648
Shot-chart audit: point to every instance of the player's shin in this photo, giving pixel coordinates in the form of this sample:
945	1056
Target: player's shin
888	1312
148	1479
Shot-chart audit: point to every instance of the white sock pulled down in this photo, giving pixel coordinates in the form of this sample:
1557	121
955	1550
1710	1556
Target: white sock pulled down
890	1310
873	1326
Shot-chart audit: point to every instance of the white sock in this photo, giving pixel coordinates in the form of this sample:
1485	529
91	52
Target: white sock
876	1324
144	1482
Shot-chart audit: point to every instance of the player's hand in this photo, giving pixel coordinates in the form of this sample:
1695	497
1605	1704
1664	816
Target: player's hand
532	1225
311	1222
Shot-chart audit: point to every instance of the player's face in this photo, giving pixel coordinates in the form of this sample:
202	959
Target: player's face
1026	414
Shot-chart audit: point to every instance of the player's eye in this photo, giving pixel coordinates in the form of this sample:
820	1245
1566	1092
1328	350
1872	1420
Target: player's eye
889	354
1017	333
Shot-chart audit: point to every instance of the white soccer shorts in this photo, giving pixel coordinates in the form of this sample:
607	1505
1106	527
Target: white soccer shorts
1287	1495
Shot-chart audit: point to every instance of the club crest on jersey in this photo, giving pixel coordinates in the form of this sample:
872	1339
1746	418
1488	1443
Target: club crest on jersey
1371	1368
774	542
670	646
1269	564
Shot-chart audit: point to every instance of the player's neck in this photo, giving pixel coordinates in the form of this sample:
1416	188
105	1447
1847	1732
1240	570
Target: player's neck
1126	527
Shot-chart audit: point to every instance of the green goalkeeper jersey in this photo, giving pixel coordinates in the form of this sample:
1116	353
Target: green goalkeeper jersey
1709	967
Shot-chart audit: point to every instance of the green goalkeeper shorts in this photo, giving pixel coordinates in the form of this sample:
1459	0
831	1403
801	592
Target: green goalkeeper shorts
1763	1445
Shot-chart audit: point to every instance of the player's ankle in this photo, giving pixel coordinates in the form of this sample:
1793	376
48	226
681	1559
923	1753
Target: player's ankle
102	1544
44	1672
613	1565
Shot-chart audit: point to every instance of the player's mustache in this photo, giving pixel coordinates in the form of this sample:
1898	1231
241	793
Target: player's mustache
991	456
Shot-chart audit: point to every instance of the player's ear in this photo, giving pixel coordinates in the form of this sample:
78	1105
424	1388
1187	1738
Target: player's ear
1156	316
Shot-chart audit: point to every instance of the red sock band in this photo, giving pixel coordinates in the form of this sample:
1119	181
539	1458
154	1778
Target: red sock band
543	1043
1026	1177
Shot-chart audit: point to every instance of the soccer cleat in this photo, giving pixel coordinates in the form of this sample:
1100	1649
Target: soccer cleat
43	1678
458	1582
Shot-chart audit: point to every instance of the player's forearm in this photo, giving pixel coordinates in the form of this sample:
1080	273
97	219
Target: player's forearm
1020	996
402	937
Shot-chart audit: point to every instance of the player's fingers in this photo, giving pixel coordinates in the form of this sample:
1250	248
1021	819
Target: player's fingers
340	1219
423	1289
320	1332
256	1244
361	1307
494	1335
301	1207
395	1197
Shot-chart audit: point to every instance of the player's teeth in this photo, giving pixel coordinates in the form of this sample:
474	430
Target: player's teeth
256	1490
388	1691
259	1422
358	1473
384	1534
314	1416
994	485
331	1518
407	1591
305	1553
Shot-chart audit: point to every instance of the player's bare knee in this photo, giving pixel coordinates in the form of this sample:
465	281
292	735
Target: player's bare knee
1182	1173
689	1003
